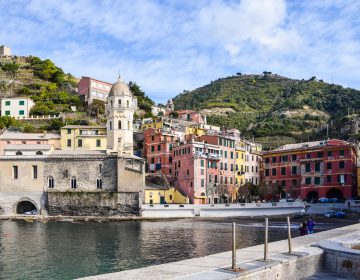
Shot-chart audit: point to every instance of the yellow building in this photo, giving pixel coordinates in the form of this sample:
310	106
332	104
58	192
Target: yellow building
240	164
81	137
158	191
194	131
153	124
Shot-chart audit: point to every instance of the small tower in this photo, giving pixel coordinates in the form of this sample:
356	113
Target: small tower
169	106
120	108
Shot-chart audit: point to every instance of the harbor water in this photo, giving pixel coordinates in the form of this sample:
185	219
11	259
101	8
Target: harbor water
60	250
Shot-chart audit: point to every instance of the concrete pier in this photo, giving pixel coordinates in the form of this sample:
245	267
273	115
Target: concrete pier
307	259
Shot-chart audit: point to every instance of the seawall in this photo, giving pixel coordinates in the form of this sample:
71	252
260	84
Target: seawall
306	261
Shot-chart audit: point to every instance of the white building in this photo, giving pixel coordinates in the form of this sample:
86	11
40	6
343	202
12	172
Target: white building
155	110
18	107
5	51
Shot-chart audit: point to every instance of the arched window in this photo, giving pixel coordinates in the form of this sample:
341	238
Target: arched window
110	125
119	102
127	103
119	124
99	183
73	183
50	182
39	153
18	153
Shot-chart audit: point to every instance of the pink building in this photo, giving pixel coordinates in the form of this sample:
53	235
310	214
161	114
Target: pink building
191	116
196	171
90	89
10	138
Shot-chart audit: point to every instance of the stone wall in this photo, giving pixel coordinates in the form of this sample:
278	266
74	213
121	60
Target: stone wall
85	170
75	203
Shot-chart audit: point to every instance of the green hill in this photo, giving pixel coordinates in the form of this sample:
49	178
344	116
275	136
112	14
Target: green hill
272	108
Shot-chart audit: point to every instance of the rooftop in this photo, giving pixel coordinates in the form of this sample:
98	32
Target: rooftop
27	147
8	135
84	126
313	144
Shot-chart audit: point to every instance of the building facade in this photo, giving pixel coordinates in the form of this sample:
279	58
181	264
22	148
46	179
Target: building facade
5	51
82	137
92	89
312	170
18	107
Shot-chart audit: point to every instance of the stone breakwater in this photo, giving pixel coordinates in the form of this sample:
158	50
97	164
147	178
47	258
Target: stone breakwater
307	259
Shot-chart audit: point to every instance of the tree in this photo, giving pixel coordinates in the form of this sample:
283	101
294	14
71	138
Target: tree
12	68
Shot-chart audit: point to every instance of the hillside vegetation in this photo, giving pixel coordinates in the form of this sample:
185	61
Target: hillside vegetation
272	108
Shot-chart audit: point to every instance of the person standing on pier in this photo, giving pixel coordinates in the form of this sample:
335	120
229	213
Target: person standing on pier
310	225
303	229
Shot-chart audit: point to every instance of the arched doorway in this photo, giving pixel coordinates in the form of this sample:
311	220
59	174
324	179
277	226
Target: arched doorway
334	193
282	194
312	196
26	207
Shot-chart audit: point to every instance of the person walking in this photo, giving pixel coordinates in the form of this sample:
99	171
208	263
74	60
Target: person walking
310	225
303	229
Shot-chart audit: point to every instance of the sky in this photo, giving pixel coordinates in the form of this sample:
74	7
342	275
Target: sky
170	46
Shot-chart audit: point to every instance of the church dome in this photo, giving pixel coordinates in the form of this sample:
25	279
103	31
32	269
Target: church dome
120	88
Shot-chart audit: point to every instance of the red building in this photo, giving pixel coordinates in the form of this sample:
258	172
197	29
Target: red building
158	151
312	170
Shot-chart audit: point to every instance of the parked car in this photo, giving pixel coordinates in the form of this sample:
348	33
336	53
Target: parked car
32	212
333	200
323	200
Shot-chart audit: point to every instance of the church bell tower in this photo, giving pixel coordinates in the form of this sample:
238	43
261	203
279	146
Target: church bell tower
120	109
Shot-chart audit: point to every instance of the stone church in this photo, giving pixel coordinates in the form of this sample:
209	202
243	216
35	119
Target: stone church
39	179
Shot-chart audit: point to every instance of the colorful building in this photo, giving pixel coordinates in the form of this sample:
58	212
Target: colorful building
90	89
18	107
158	145
158	191
312	170
196	171
191	116
82	137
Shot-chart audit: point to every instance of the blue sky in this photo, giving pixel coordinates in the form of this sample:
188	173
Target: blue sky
171	46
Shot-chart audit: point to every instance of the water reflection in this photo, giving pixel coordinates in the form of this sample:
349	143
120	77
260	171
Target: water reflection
67	251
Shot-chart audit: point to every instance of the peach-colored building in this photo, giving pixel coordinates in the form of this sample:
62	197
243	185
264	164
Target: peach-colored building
11	138
90	89
192	116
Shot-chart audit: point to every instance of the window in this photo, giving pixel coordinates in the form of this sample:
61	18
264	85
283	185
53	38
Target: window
342	152
201	171
267	172
329	166
35	171
119	124
18	153
308	180
293	170
39	153
267	160
73	183
274	171
98	142
330	153
79	142
232	167
308	167
7	113
15	172
159	147
274	159
99	183
283	171
294	182
317	166
21	112
308	155
317	180
283	183
202	163
51	182
152	138
7	103
202	183
69	142
21	102
127	103
152	148
293	157
110	125
284	158
320	154
100	168
341	164
119	102
231	180
225	166
328	178
69	131
225	154
231	155
342	179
